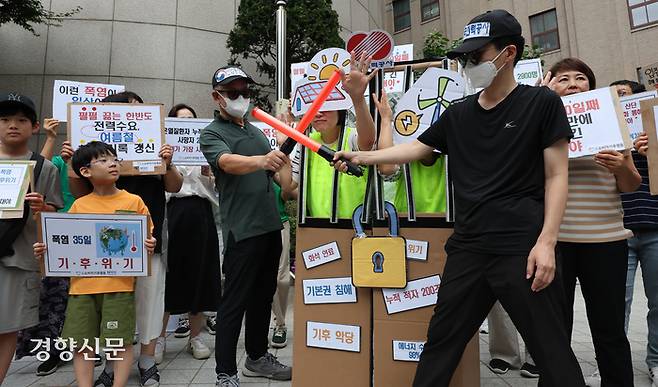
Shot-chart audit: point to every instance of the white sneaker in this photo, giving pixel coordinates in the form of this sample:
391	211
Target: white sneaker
653	374
197	348
160	349
594	380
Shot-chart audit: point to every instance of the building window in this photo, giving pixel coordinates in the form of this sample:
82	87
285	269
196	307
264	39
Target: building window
642	12
401	15
543	28
429	9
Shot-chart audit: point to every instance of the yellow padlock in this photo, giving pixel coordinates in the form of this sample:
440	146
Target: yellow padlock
379	262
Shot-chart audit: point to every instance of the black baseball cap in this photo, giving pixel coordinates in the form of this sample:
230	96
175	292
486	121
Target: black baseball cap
18	99
226	75
484	28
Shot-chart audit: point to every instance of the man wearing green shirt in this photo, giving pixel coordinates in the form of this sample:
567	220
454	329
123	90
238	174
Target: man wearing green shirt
240	156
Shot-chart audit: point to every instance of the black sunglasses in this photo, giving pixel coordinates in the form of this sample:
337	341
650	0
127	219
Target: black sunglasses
472	57
233	94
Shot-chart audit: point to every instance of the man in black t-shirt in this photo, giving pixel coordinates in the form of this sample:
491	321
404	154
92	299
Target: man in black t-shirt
508	154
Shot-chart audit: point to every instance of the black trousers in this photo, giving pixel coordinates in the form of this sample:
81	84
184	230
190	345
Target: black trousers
470	285
250	267
601	269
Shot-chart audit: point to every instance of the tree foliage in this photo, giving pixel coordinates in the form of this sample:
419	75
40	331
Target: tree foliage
312	25
27	13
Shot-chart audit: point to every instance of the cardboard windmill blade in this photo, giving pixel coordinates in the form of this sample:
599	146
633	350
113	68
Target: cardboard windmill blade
424	102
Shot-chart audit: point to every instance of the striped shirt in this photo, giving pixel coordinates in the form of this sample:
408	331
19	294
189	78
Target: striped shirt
640	207
594	213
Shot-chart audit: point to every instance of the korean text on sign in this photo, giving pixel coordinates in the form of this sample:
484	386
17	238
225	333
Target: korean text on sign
12	184
633	112
71	91
407	350
94	245
183	136
134	130
321	255
329	291
418	294
333	336
595	120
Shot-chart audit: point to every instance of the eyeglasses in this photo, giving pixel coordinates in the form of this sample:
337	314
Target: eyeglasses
470	57
233	94
105	161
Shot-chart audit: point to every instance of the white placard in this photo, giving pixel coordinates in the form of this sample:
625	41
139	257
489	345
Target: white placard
333	336
424	102
183	136
595	119
394	80
134	130
417	249
269	132
297	72
71	91
418	294
12	184
528	72
81	245
630	105
329	291
321	255
407	350
319	70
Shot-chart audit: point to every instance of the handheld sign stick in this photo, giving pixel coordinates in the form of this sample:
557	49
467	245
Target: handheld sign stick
289	144
322	150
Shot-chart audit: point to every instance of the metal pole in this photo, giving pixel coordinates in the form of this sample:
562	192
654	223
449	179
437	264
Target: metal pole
280	49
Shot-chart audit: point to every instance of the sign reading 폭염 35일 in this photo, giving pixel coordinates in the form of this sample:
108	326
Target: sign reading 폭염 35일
85	245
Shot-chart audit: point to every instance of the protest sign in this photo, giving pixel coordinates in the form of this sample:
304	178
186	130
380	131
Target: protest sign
319	70
377	44
632	112
394	80
297	72
649	75
183	136
134	130
649	109
92	245
597	122
15	179
528	72
72	91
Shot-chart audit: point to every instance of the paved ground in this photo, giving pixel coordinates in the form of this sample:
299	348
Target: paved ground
180	369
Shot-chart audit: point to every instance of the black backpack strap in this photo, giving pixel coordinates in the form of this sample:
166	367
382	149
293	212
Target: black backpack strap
37	168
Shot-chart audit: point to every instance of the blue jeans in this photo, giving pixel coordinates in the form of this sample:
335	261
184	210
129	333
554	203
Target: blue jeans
643	249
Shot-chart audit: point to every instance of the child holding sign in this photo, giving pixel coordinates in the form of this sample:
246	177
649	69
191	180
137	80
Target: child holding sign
101	307
19	272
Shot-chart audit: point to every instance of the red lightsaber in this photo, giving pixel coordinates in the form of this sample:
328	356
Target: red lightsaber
322	150
289	144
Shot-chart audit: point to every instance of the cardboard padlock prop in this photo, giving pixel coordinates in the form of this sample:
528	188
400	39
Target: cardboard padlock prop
377	261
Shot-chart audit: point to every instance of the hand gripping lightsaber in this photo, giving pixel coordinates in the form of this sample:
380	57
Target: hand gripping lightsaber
289	144
322	150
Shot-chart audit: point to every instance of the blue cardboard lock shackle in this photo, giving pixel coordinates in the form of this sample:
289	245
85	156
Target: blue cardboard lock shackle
379	261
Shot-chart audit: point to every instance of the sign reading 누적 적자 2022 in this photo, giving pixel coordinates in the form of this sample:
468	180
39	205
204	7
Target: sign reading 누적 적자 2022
597	122
86	245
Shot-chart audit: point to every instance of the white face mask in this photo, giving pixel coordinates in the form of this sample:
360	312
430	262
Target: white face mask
237	107
481	75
